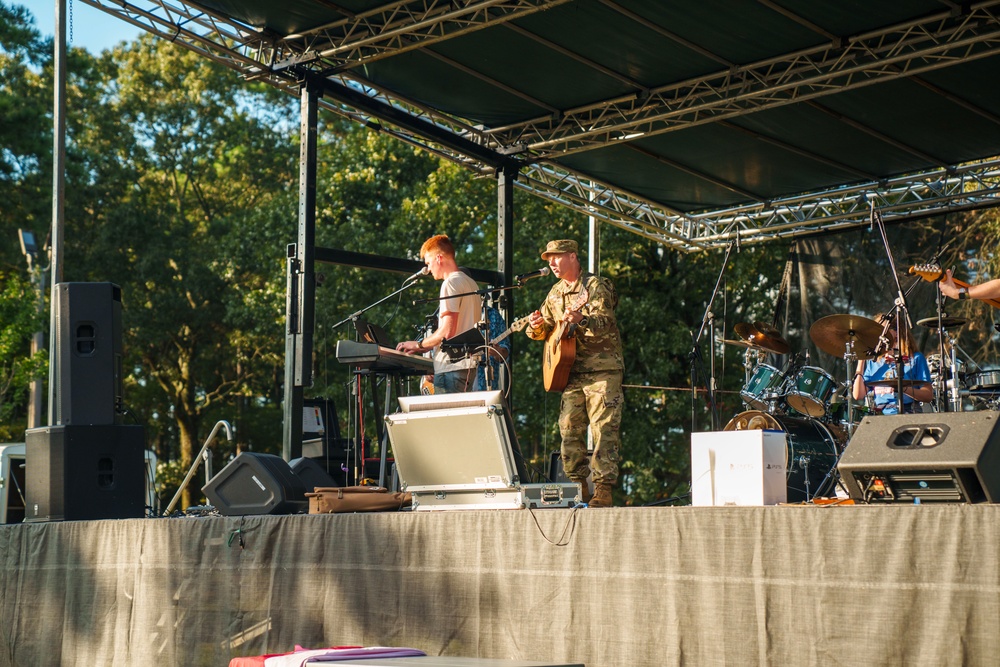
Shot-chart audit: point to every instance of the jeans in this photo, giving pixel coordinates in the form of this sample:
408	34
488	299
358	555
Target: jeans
454	382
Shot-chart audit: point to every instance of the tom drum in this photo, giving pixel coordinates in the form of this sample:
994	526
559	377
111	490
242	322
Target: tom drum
764	385
810	390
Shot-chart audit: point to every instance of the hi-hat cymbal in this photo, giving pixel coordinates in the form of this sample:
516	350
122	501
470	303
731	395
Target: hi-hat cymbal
893	382
738	343
833	332
763	335
946	322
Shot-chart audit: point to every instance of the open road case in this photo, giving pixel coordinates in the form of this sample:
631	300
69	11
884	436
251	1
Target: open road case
458	451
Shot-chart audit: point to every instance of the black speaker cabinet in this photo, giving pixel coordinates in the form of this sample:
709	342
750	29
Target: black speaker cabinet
255	483
312	474
88	353
76	473
946	456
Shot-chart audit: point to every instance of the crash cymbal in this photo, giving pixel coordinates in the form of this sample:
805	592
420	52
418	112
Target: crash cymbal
893	382
832	333
764	336
946	322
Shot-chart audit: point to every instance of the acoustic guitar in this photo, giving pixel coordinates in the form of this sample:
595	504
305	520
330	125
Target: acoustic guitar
933	273
560	348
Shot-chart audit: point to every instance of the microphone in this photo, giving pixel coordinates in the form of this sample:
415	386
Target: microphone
534	274
422	272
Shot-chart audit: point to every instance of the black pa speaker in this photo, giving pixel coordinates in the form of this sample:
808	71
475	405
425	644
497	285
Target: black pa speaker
75	473
945	457
312	474
255	483
87	353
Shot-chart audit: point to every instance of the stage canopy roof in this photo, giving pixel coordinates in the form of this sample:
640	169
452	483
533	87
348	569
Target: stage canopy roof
686	122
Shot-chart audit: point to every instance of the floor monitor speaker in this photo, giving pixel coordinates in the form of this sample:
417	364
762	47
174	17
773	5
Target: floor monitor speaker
78	472
945	457
255	483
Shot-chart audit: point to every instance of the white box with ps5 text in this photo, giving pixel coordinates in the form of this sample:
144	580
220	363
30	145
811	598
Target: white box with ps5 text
738	468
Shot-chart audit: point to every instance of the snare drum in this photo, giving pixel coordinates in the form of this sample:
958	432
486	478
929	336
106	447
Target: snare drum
810	390
810	450
763	386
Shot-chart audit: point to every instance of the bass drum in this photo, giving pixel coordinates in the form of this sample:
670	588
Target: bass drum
810	450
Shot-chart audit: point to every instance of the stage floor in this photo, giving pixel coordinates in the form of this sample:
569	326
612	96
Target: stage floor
786	585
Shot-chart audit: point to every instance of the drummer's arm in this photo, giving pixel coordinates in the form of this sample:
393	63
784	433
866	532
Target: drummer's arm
920	392
859	388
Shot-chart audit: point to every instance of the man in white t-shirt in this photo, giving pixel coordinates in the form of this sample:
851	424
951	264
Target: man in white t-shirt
456	315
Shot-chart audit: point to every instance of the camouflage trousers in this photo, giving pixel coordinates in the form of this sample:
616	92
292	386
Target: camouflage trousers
593	399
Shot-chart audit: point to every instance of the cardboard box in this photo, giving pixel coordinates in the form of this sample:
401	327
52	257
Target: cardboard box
738	468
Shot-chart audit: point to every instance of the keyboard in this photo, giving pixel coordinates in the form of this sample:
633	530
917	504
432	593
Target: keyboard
372	357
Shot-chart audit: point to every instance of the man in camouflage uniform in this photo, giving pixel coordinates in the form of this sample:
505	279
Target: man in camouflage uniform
593	393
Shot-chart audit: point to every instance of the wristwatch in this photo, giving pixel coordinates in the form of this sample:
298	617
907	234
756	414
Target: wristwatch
963	293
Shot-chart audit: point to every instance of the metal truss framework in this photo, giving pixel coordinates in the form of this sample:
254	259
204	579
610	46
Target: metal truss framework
331	52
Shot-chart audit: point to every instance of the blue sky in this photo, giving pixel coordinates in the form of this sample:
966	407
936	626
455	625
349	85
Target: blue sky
92	29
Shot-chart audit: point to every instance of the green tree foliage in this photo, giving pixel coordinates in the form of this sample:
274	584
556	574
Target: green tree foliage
19	319
183	217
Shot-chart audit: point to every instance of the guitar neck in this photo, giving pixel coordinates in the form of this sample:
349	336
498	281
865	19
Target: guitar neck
933	273
513	328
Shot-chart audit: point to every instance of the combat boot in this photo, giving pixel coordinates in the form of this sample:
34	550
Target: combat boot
602	495
585	494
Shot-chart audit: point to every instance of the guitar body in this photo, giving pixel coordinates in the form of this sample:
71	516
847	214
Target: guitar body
560	353
933	273
560	349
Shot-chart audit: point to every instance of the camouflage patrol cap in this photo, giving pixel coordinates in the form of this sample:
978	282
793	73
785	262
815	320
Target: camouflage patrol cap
556	247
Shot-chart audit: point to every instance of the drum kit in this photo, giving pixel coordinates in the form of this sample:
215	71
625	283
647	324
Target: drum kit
818	414
815	412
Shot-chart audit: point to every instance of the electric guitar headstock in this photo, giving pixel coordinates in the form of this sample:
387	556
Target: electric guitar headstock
517	325
929	272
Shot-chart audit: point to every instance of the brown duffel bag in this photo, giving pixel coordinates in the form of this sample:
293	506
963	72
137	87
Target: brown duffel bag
332	500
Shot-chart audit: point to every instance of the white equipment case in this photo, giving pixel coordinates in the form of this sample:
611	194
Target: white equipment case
455	452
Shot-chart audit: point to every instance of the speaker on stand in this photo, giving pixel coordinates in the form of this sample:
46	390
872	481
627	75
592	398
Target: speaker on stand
87	353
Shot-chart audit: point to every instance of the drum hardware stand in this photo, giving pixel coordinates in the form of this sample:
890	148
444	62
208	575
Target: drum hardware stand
803	463
850	359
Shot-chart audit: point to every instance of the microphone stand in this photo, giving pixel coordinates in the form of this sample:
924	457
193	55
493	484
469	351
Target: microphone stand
899	307
353	317
697	363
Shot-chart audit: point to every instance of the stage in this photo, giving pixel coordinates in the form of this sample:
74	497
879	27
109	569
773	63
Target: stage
783	585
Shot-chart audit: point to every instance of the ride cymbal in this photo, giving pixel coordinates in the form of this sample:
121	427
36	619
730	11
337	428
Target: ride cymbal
763	335
833	332
946	322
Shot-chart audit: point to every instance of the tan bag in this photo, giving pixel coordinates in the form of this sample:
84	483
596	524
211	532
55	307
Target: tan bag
333	500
